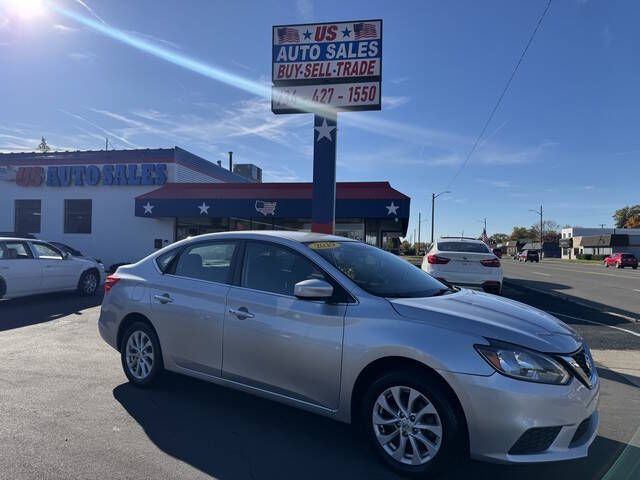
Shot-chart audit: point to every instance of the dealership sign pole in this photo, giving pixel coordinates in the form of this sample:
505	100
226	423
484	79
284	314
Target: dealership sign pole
326	68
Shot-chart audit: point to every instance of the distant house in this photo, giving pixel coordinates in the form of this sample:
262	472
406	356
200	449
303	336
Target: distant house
516	246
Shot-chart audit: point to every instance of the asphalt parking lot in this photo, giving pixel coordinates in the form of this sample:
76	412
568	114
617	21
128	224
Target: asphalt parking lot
609	289
68	412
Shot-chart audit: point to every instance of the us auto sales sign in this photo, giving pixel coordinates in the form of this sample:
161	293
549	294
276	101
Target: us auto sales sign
338	64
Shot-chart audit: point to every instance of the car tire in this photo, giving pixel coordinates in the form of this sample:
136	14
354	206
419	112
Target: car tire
140	355
88	283
3	288
440	439
635	268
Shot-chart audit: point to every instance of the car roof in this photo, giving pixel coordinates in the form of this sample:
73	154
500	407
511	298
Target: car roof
296	236
17	239
459	239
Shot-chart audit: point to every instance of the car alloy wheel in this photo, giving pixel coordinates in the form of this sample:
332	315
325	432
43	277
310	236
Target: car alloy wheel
139	355
90	283
407	425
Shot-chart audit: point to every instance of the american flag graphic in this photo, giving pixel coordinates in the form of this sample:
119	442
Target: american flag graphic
288	35
266	208
364	30
484	237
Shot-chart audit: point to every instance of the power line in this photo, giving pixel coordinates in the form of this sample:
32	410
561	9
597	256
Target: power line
504	91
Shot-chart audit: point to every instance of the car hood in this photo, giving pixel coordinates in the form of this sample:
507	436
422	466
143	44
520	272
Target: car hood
492	317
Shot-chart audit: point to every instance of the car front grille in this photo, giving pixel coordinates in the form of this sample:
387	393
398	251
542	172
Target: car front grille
582	366
535	440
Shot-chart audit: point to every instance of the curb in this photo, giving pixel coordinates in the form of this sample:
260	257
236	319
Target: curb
570	299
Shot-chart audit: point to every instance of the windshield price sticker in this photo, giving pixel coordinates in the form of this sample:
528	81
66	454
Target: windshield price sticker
323	245
340	96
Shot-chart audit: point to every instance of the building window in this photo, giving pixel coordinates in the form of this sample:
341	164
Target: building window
28	213
77	216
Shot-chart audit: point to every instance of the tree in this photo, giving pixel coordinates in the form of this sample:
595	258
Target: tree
551	231
497	238
43	147
520	233
627	215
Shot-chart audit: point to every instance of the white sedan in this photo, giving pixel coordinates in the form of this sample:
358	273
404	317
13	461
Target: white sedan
29	267
464	262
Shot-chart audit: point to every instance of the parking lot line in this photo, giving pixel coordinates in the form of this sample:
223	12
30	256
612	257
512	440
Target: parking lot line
636	334
540	273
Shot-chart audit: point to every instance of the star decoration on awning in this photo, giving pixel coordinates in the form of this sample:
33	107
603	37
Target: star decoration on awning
392	209
148	208
324	131
204	209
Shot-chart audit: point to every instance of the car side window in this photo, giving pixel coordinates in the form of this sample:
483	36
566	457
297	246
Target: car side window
270	268
15	251
206	261
164	260
45	252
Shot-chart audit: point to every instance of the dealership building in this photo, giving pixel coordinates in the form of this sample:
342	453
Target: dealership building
121	205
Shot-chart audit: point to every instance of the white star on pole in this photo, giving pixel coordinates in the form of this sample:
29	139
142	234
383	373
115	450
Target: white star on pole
392	209
204	209
324	131
148	209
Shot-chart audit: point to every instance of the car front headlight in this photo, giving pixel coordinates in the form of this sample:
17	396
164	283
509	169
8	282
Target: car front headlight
524	364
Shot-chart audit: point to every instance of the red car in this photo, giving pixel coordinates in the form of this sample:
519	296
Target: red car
621	260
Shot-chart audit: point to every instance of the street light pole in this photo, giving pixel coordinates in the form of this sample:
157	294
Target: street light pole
541	227
433	209
419	227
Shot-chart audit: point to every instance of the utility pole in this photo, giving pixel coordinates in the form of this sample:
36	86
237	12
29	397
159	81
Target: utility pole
601	225
433	210
419	227
106	144
541	227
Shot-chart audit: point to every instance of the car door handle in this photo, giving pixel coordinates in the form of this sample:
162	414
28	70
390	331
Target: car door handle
164	298
242	313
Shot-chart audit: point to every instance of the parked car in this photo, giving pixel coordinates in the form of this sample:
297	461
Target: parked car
621	260
349	331
29	267
78	254
529	256
465	262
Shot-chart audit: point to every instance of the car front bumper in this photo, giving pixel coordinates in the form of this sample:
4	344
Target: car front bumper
499	410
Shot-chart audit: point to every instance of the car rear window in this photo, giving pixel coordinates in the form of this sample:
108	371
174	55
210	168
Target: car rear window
628	256
467	247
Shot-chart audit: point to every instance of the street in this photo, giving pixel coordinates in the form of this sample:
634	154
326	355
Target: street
68	412
610	289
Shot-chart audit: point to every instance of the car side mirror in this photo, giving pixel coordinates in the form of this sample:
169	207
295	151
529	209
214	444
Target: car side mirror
313	289
65	255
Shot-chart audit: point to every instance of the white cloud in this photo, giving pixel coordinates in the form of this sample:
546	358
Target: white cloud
495	183
59	27
82	56
390	102
305	9
90	10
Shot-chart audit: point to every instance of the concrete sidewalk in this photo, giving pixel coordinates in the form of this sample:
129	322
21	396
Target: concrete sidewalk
624	362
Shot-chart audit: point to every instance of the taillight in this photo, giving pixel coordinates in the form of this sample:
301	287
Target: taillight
110	282
492	262
436	260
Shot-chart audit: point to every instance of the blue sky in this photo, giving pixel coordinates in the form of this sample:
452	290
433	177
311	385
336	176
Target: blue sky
566	135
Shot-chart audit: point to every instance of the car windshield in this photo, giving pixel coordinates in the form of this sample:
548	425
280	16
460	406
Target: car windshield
378	272
466	247
66	248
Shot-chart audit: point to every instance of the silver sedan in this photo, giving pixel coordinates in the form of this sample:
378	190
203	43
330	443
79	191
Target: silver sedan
346	330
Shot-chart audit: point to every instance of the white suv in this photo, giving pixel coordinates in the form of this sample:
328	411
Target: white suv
465	262
29	267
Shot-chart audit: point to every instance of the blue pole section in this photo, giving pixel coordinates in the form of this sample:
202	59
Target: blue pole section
323	207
